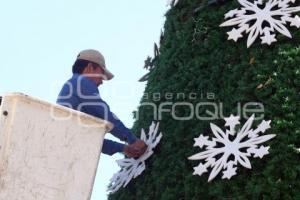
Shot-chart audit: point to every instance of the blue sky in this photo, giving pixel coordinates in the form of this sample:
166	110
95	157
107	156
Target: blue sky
39	41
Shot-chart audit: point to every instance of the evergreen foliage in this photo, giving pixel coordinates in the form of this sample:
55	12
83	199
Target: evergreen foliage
196	57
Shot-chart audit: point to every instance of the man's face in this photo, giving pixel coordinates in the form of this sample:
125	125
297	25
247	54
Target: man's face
95	73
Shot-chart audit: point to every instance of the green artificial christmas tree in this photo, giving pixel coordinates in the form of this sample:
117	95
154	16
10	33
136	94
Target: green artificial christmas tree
203	64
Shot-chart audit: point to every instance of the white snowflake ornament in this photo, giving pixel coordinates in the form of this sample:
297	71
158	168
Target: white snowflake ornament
241	145
172	2
130	167
257	18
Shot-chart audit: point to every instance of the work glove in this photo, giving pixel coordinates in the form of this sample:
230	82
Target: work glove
136	149
130	151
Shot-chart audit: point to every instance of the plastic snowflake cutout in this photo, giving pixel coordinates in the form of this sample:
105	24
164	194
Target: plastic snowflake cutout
172	2
264	19
130	167
244	145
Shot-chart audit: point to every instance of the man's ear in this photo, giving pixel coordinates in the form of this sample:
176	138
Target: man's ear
88	69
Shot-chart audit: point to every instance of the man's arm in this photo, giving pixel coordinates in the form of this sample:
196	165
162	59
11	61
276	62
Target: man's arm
91	103
81	94
110	147
99	108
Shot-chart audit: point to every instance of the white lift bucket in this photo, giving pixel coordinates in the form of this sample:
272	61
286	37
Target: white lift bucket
47	151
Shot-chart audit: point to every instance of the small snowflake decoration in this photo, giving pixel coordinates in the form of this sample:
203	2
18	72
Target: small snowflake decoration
130	167
172	2
246	138
255	20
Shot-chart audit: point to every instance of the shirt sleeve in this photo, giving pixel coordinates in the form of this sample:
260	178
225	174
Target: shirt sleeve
110	147
92	104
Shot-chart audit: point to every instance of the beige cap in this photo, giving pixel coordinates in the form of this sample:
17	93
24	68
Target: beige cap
95	57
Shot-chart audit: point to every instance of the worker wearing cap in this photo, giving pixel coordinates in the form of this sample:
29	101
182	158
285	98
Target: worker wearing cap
81	93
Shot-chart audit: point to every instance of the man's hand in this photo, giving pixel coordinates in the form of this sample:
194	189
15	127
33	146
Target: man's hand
140	145
136	149
131	152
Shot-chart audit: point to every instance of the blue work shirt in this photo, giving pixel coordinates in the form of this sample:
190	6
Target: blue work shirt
82	94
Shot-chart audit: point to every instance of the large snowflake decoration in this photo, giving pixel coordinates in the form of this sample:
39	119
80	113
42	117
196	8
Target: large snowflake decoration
130	167
262	18
240	145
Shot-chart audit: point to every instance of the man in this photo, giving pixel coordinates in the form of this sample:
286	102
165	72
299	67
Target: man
81	93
